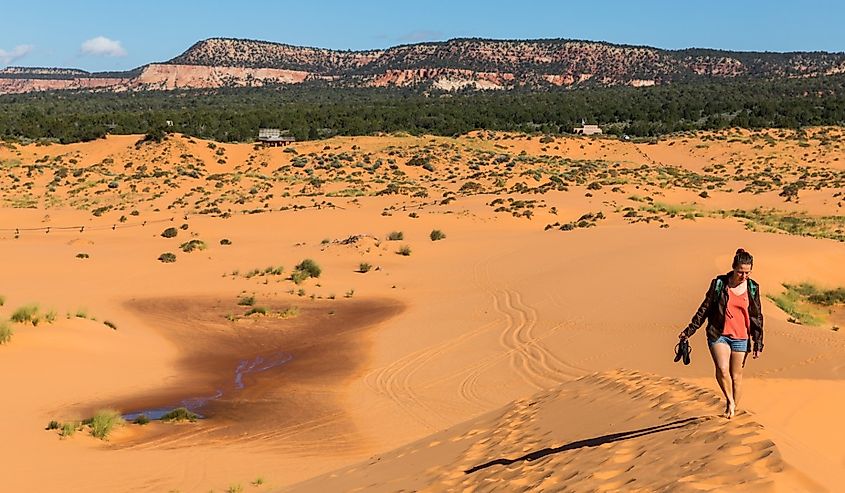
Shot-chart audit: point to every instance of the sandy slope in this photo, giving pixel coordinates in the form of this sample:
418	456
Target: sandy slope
611	431
500	310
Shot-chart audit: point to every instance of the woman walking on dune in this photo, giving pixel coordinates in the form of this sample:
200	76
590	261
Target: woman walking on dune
733	312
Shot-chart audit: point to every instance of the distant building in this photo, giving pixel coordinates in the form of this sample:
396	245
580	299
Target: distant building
588	130
273	137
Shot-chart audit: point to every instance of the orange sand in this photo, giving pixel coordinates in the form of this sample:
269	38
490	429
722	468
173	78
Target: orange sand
537	360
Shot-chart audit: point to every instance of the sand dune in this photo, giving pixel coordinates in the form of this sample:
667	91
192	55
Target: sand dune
496	350
611	431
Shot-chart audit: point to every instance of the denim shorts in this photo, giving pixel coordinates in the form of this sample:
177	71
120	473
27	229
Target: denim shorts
738	345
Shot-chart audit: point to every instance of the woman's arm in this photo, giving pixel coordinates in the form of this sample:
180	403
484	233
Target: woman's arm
701	313
757	322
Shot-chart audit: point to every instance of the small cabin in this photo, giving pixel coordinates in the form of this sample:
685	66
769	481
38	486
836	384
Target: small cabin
588	130
274	137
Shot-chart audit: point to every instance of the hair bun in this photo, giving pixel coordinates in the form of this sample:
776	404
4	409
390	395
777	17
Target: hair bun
740	250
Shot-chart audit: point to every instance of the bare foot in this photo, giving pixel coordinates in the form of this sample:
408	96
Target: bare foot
730	410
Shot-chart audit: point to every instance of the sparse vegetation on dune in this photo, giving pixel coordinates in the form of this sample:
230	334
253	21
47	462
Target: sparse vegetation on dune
808	304
6	332
26	314
180	414
104	422
167	258
190	246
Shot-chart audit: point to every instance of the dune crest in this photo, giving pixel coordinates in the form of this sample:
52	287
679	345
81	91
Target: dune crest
610	431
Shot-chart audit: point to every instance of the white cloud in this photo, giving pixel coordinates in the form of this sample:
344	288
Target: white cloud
102	46
20	51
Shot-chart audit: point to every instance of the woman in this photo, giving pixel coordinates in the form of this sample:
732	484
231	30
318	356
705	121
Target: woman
732	309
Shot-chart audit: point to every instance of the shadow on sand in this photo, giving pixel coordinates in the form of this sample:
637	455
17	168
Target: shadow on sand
590	442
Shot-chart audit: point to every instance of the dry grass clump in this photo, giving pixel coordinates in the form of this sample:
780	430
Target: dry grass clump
104	422
190	246
6	332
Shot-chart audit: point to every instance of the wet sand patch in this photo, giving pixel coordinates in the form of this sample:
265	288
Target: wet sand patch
260	378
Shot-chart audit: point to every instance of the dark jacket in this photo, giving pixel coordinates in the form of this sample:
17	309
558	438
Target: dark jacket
713	309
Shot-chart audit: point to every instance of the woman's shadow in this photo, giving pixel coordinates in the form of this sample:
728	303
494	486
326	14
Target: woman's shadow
590	442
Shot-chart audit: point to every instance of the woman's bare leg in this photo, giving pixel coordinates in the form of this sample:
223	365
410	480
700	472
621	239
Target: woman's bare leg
737	358
721	354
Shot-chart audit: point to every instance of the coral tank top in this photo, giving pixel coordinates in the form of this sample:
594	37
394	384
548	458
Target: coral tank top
737	321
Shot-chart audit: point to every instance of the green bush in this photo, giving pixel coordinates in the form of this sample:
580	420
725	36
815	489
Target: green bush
104	422
246	300
141	420
68	429
309	267
167	257
192	245
169	233
180	414
436	234
257	309
404	250
364	267
6	332
26	313
396	236
53	425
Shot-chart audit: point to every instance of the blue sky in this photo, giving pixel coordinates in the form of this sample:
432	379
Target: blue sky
100	35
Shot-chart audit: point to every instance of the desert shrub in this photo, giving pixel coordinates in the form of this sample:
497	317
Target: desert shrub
190	246
246	300
170	233
257	309
225	241
6	332
50	316
436	234
141	420
27	313
404	250
289	312
104	422
180	414
53	425
82	255
68	429
396	236
235	488
349	293
309	267
167	257
364	267
183	227
81	313
110	324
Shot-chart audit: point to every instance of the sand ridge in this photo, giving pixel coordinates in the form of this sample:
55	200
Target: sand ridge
655	434
562	259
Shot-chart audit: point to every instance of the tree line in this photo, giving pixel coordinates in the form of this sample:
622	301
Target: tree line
317	110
